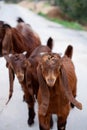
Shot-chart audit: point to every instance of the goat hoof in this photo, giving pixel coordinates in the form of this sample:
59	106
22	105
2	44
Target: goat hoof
51	123
30	122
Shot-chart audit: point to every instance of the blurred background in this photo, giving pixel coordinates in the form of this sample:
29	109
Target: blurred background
70	13
66	22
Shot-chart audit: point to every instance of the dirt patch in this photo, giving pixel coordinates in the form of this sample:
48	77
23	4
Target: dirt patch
35	6
26	4
50	11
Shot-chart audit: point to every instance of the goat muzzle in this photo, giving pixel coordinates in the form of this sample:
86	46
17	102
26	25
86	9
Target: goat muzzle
20	77
50	81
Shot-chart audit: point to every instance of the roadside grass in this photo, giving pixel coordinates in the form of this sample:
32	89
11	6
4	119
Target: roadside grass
72	25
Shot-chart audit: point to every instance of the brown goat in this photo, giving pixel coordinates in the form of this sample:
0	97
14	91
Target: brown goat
57	89
31	37
16	40
17	65
25	70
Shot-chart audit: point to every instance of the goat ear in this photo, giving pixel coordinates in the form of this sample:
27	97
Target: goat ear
8	61
69	51
50	43
64	81
11	81
44	92
7	42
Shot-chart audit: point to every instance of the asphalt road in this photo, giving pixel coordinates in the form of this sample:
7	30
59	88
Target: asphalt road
14	115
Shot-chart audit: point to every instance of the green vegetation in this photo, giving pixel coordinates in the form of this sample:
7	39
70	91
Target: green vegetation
75	9
12	1
73	25
46	4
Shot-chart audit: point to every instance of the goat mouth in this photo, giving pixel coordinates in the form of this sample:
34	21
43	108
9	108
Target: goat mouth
50	82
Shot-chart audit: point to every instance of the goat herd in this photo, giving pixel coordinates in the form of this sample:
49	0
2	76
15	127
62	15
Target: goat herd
44	76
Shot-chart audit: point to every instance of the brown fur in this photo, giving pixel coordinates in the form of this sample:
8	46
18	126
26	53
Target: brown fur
30	35
57	88
69	51
17	40
25	70
2	32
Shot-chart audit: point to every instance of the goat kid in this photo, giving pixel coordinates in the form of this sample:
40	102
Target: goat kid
25	70
57	87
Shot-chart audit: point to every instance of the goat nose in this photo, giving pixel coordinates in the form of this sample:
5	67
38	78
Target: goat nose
20	77
51	82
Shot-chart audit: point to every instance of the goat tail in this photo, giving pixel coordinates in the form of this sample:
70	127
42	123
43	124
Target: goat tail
50	43
19	20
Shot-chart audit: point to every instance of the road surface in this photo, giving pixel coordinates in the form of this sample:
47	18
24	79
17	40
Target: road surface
14	115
